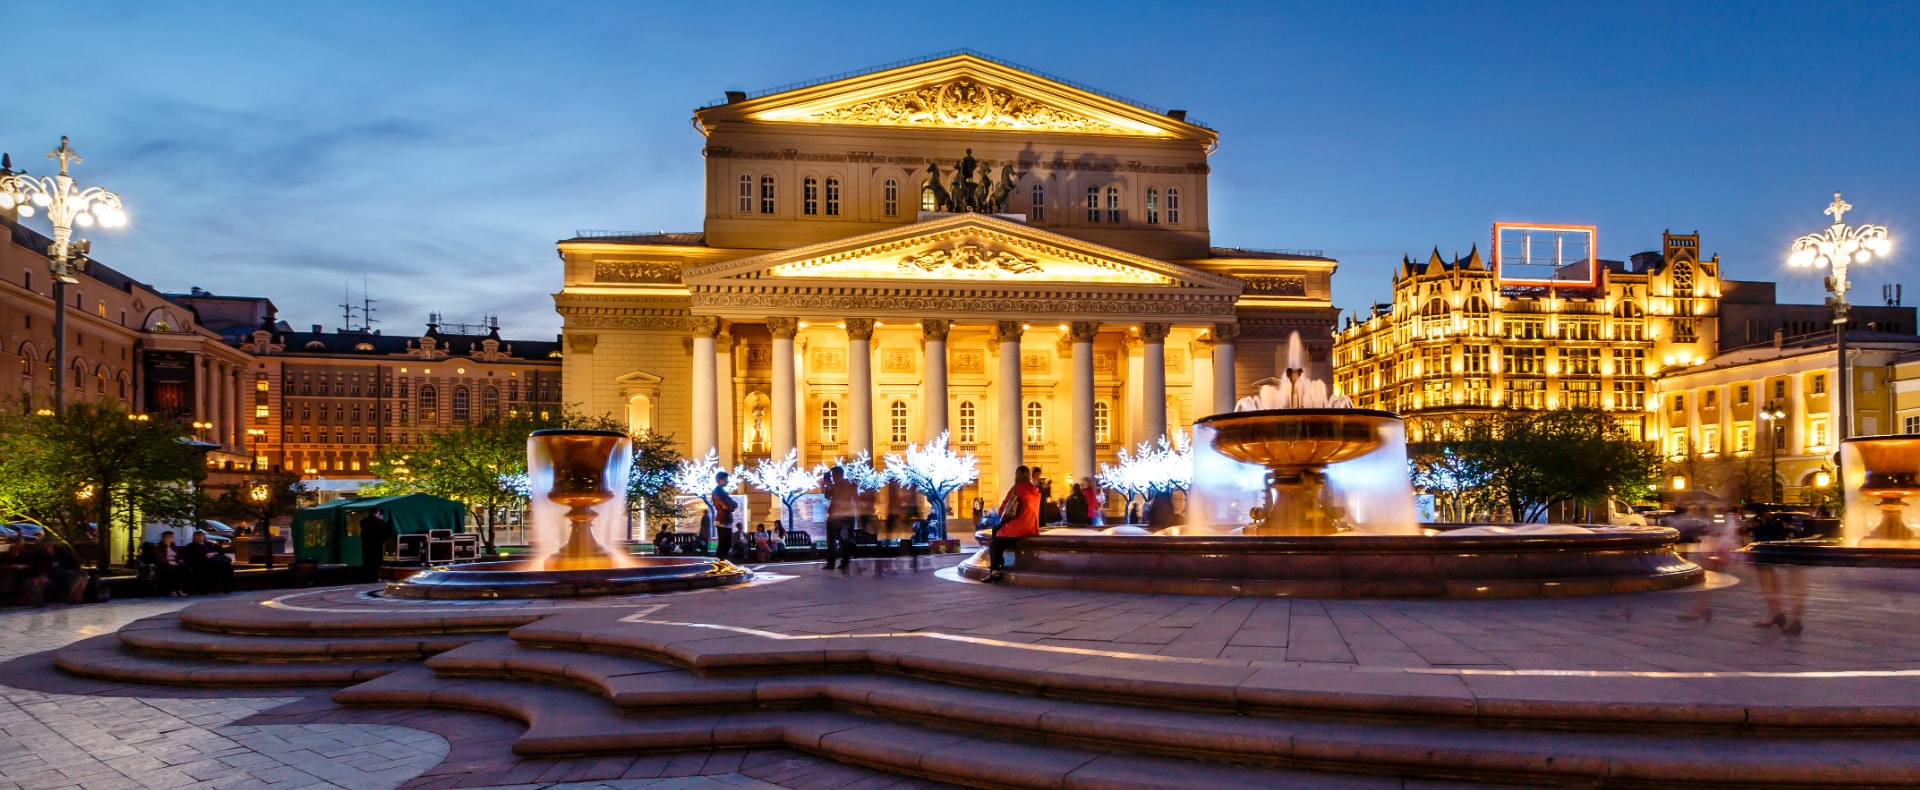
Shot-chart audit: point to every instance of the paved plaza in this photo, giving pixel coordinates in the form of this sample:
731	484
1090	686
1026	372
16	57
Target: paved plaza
1570	663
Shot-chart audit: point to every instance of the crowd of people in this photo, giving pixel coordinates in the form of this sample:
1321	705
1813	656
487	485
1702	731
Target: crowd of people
42	571
200	566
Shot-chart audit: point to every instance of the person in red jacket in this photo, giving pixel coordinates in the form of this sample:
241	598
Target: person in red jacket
1019	518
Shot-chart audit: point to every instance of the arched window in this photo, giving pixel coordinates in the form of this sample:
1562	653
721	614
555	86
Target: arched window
1153	206
1629	321
1173	205
890	198
897	422
833	197
1038	211
1102	423
490	403
1113	204
810	196
460	403
1682	288
969	423
1036	422
429	404
640	415
1479	315
830	422
928	202
746	194
1093	204
766	194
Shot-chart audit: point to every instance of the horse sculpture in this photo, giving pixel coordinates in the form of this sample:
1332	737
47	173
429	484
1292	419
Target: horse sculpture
940	197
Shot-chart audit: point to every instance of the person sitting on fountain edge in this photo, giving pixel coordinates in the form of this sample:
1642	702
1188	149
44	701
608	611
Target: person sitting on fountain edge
1019	518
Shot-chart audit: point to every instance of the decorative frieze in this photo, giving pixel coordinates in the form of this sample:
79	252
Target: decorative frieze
829	362
1105	363
1036	363
1276	285
968	361
885	303
636	272
962	103
898	360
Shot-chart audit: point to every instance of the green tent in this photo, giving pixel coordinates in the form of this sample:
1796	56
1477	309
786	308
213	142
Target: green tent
330	534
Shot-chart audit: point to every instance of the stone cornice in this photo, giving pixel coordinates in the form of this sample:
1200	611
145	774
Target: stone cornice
741	303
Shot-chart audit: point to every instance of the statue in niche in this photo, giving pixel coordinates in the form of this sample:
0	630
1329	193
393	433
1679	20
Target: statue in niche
757	436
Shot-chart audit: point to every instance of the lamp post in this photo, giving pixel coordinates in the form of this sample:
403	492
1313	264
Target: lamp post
1840	246
260	495
253	447
66	206
1773	413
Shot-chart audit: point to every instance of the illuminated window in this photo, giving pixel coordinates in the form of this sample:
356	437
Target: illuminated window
746	194
928	201
1743	439
1629	362
1524	360
1093	204
1910	425
490	403
1153	206
1779	389
1526	393
1710	399
810	196
890	198
1113	204
1102	423
260	382
1580	361
1683	289
1477	359
260	412
1820	433
969	422
460	403
1629	321
1173	205
1679	443
429	404
833	197
1038	211
1036	423
1575	394
766	194
1479	316
830	422
1710	440
897	422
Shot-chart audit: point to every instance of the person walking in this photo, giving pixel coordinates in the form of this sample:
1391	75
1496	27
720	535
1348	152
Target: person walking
721	505
842	513
1019	518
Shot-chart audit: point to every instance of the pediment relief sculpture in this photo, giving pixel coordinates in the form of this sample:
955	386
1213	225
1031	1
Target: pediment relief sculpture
969	260
964	103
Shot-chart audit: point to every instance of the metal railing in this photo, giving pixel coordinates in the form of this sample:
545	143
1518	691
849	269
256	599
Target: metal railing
1305	253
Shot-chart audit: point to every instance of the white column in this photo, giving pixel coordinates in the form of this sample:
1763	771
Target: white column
706	422
1008	452
1153	365
800	396
1225	380
199	388
1081	333
859	418
217	398
783	330
243	398
723	397
933	336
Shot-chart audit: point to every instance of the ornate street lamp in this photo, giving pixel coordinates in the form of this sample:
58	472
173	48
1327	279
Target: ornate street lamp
1839	247
66	206
1774	414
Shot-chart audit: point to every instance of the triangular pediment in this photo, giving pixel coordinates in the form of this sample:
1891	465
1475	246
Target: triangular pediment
963	249
963	91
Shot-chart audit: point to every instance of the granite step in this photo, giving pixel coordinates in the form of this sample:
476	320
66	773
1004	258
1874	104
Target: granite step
105	657
165	637
267	615
1872	706
651	690
568	722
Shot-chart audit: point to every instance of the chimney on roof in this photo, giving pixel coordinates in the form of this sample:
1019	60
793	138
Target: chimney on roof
1178	115
1779	338
317	329
735	97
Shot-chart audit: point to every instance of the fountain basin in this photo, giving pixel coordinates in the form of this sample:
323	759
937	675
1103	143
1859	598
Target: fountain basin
1609	560
492	580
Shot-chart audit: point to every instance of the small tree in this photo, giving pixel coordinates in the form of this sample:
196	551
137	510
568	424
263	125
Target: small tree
1535	459
697	477
1127	475
784	479
935	471
1462	485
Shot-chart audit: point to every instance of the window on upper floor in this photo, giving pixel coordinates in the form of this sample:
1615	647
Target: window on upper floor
1102	422
969	422
1173	205
1093	204
1037	211
833	196
897	422
429	404
460	404
890	198
1153	206
1036	423
766	194
746	194
830	422
1819	386
928	200
810	196
1113	204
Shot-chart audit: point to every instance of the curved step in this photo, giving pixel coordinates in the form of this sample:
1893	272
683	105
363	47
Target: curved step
180	642
105	658
642	688
1872	706
566	722
266	615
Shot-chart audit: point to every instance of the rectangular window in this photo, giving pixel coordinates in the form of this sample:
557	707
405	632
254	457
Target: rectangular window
1524	360
1579	394
1820	434
1779	390
1526	393
260	412
1629	362
1038	211
1683	331
1477	359
1102	423
1710	399
1679	403
1867	381
833	197
1743	394
830	422
1093	204
746	194
1113	204
1910	424
1580	361
1710	441
897	423
1479	390
969	421
1036	423
1173	206
890	198
1819	383
1743	439
810	197
766	194
1679	444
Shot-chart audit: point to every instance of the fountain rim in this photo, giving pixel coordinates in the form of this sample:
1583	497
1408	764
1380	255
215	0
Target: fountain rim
1361	543
1239	415
577	432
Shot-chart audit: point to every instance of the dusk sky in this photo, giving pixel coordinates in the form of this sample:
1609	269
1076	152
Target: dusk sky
439	149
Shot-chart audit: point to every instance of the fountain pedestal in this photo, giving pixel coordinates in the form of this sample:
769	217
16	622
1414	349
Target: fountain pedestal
580	460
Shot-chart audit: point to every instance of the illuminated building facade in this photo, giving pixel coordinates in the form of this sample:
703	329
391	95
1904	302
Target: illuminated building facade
1456	343
834	303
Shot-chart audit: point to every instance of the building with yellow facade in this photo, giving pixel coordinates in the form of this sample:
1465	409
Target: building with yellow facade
836	301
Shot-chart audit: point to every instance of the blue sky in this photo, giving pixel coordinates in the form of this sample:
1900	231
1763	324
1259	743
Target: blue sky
439	148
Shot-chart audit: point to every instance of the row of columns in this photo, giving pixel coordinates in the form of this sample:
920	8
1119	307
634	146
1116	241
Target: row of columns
218	399
712	388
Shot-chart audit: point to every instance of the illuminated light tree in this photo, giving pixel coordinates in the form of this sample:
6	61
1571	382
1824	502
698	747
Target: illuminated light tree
695	477
784	479
1152	468
935	471
860	472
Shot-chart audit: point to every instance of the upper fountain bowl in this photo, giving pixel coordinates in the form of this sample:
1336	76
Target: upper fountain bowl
1298	438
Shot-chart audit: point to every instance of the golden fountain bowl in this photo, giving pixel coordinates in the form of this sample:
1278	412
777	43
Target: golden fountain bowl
1892	464
580	459
1298	438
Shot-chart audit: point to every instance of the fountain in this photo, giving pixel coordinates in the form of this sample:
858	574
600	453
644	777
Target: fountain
1297	493
575	477
1880	526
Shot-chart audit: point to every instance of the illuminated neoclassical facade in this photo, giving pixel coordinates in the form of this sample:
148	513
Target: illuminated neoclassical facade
838	299
1455	343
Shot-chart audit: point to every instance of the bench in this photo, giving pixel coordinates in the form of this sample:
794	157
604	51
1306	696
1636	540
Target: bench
682	543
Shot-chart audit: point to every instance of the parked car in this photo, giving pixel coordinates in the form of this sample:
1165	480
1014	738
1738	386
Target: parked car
9	538
29	531
1619	514
1769	522
216	529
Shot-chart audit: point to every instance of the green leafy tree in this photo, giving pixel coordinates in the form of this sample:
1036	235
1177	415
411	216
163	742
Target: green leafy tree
261	497
95	459
1533	459
1460	481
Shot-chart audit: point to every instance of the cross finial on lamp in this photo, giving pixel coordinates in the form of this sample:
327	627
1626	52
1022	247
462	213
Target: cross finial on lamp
1838	209
65	154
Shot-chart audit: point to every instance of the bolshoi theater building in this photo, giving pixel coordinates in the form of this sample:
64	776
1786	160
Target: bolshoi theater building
954	245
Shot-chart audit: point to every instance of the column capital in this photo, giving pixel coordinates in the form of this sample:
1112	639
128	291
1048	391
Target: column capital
859	329
704	325
783	327
935	328
1224	333
1083	331
1008	330
1155	332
